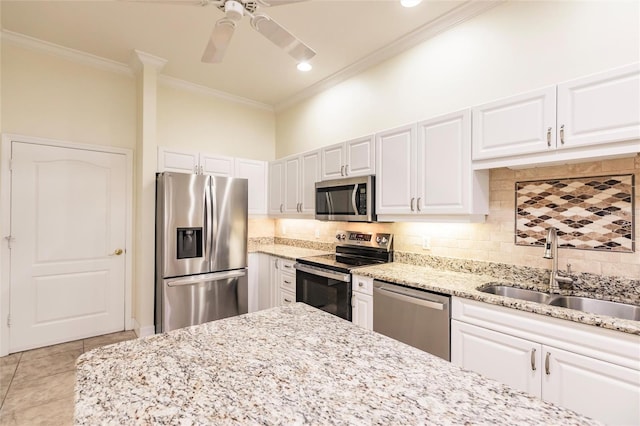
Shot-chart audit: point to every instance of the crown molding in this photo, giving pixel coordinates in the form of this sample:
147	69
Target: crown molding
177	83
98	62
73	55
141	59
449	20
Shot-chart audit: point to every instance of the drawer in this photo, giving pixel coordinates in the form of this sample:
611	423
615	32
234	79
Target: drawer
288	282
287	297
362	284
286	266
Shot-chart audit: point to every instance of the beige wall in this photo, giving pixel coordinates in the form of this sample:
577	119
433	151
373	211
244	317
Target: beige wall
515	47
494	240
204	123
54	98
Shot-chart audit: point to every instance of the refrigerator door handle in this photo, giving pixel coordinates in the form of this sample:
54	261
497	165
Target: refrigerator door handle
207	277
213	220
208	211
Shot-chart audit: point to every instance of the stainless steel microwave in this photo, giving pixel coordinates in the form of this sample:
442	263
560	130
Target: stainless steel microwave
346	200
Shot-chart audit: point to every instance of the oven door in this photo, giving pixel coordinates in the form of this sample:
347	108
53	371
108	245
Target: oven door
324	289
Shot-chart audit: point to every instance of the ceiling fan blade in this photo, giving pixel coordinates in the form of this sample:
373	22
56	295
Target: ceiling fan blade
185	2
277	2
282	38
220	38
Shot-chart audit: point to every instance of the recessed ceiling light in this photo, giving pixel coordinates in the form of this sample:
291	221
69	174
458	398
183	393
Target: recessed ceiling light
410	3
304	66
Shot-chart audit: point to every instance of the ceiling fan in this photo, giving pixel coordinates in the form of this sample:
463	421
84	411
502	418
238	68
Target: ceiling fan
234	10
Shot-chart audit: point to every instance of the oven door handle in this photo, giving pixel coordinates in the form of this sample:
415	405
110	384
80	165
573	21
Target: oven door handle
338	276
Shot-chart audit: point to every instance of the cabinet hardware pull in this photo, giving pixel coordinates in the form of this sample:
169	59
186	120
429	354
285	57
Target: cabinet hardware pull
360	284
341	170
346	170
549	136
287	300
418	203
546	363
287	282
562	134
276	264
201	170
533	359
195	169
280	208
412	201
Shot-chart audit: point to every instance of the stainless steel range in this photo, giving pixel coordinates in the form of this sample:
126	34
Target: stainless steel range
324	281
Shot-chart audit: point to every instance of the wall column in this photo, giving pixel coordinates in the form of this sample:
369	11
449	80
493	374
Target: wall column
147	68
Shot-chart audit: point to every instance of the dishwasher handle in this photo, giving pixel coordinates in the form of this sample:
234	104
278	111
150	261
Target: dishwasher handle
417	297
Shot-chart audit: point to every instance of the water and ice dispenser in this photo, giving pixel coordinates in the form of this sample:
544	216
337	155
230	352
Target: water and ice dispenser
189	243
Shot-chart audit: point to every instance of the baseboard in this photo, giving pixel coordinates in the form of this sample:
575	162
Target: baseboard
145	331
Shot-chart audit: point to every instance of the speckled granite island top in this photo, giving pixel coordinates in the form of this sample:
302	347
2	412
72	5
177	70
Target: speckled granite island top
465	285
290	365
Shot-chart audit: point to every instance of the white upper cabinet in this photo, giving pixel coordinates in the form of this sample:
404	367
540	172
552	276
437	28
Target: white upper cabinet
600	108
310	175
446	183
520	124
395	165
425	170
256	173
293	179
593	117
217	165
276	187
355	157
173	160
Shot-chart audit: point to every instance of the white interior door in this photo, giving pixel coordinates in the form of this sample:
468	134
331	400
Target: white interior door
68	223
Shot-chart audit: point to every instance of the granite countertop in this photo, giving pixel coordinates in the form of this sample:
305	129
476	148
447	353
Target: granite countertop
465	284
285	251
290	365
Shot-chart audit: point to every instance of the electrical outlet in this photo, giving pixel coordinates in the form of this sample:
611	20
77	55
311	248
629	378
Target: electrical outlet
317	233
426	243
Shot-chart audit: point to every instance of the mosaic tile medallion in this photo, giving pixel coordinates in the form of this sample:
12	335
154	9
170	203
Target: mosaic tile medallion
592	213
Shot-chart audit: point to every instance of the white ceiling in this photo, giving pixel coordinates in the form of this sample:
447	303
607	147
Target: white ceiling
345	34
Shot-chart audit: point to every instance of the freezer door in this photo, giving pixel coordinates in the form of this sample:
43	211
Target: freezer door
229	234
198	299
183	222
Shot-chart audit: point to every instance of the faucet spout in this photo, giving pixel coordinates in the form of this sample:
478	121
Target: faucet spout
551	252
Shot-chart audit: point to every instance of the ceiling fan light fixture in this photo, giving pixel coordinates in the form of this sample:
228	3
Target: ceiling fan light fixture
304	66
410	3
234	10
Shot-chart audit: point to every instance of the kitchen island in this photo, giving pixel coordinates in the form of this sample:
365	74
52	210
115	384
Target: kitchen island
290	365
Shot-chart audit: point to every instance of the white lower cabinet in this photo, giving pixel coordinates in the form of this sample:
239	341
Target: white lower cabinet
592	371
362	301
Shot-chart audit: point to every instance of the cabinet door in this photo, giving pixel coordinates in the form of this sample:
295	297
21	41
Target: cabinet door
286	298
274	281
600	108
521	124
310	175
217	165
333	161
362	310
595	388
395	166
444	164
507	359
292	171
276	187
171	160
256	173
360	156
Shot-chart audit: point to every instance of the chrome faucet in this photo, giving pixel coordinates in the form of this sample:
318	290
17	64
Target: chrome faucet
551	252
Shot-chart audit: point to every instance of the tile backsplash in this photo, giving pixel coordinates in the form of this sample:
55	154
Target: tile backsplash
592	213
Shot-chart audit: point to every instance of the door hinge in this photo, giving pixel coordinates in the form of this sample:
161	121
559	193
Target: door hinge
9	239
9	320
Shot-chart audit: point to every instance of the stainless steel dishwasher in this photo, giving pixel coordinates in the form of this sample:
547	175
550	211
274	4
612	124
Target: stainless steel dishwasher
415	317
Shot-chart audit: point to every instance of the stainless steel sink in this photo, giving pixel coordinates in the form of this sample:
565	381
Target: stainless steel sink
583	304
517	293
595	306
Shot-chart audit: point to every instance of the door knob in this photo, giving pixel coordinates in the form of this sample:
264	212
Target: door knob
117	252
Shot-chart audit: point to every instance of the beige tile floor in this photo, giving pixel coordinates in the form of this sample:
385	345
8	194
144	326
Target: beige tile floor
37	386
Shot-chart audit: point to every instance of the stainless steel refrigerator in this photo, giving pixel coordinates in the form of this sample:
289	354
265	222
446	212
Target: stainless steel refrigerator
201	249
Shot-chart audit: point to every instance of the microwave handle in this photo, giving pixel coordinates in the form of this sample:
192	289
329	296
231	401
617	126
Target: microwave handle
329	204
353	199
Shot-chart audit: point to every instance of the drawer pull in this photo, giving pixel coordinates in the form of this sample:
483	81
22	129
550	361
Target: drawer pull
360	284
549	136
533	360
287	282
562	134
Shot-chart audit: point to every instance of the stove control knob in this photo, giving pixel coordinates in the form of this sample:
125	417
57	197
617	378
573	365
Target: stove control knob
381	240
340	237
